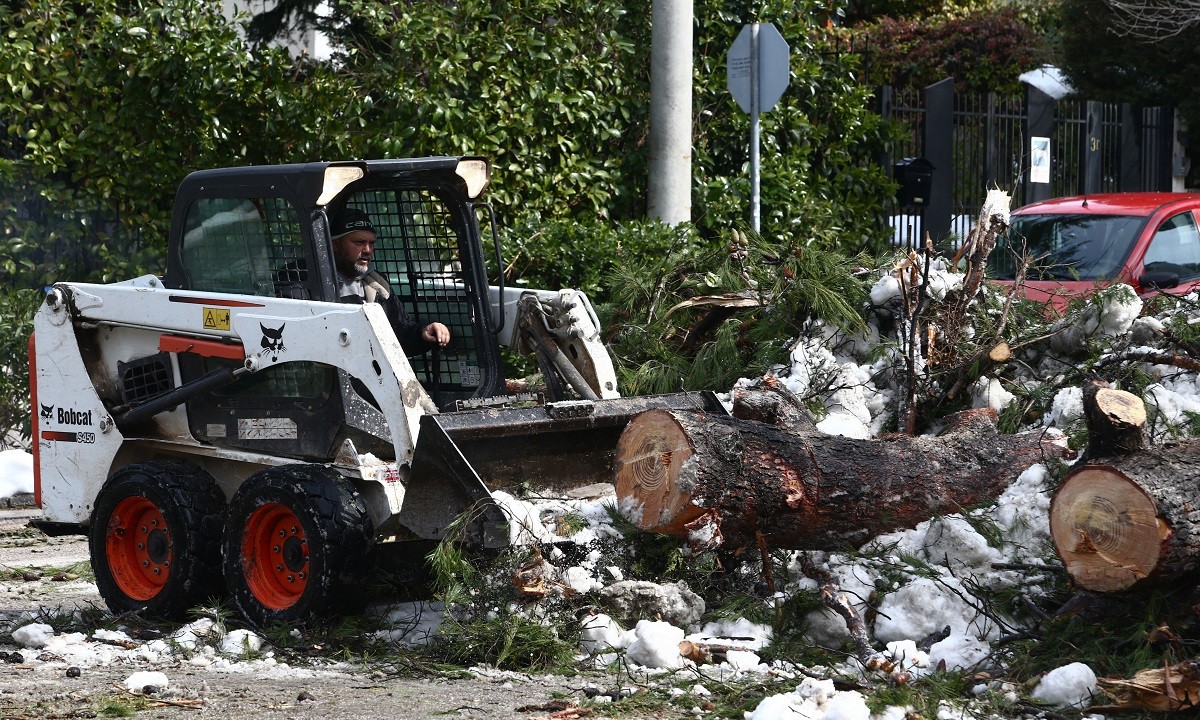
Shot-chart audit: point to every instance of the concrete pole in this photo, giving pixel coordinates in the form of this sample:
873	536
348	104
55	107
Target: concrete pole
670	182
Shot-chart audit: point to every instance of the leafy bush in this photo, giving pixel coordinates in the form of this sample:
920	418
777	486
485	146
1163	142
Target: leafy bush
568	137
821	183
107	108
983	52
562	253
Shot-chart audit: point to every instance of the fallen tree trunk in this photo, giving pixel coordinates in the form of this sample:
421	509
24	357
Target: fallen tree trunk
1128	517
735	483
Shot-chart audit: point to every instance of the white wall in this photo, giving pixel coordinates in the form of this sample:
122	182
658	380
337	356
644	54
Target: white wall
312	43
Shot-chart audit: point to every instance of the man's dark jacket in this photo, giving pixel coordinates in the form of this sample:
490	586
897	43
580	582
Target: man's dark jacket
376	289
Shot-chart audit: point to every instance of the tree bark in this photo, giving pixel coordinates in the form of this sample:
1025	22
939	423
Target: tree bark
723	481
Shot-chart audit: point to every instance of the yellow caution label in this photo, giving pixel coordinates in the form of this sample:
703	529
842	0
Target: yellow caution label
216	318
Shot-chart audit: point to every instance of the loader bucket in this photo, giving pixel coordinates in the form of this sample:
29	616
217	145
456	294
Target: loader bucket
463	457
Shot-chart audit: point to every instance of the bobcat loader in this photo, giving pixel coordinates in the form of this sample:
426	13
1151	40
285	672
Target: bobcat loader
231	427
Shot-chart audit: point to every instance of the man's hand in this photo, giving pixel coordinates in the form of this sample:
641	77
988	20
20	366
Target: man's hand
436	332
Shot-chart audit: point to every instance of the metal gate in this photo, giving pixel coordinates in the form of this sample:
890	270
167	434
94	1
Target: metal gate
976	142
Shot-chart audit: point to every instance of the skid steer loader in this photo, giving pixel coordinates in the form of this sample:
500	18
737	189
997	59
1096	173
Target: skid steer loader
231	425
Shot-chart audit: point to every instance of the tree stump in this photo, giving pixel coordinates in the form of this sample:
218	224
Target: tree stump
1115	420
722	481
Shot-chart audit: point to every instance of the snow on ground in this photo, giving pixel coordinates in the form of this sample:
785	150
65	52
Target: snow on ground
911	607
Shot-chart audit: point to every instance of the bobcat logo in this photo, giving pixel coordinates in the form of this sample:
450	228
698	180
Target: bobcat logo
47	412
272	341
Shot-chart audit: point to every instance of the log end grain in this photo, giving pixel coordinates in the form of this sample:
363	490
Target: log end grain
650	456
1106	529
1123	409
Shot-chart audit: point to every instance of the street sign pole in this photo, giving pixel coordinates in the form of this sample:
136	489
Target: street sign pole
758	73
755	206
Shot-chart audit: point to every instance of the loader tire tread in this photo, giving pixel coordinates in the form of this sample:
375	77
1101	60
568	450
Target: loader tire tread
336	527
188	499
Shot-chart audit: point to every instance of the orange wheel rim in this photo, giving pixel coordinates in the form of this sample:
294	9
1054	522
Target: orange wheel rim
139	548
275	556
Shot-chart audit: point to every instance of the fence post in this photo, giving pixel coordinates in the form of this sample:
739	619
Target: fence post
1039	122
1181	164
884	98
1091	153
1156	148
1129	154
991	138
939	150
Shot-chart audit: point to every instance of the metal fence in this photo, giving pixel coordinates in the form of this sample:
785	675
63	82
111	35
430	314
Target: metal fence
976	142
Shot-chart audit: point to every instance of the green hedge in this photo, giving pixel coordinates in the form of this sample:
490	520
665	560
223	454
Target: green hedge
982	51
17	308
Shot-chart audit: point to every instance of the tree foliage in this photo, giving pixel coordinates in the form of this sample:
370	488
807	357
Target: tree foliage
108	105
557	94
698	320
1155	19
982	51
1104	64
16	317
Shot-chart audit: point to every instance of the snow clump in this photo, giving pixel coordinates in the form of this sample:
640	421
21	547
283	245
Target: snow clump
1067	686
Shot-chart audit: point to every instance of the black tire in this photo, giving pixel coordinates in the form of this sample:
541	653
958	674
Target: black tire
155	538
297	545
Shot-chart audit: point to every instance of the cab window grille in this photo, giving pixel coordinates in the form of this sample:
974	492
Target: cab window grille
417	250
249	246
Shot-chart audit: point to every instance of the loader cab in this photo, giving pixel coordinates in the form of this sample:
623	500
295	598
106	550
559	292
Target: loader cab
264	231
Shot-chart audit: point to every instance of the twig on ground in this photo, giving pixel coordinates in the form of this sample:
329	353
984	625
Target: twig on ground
161	702
1155	358
833	598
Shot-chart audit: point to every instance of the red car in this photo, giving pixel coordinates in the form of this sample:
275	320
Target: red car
1077	244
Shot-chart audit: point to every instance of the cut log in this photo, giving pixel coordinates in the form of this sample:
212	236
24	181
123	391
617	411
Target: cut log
1129	517
727	481
1000	353
1131	522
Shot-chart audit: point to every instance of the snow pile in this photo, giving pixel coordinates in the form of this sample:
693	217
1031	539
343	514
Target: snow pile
203	643
818	700
147	682
16	472
656	645
1069	686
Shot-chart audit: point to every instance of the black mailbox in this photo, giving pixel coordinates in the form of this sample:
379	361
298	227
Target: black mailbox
915	176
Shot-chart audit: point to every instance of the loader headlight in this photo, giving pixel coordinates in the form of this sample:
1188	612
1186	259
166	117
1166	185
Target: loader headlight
476	173
336	180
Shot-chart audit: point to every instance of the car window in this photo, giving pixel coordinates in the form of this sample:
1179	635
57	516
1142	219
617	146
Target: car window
1175	247
1065	246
